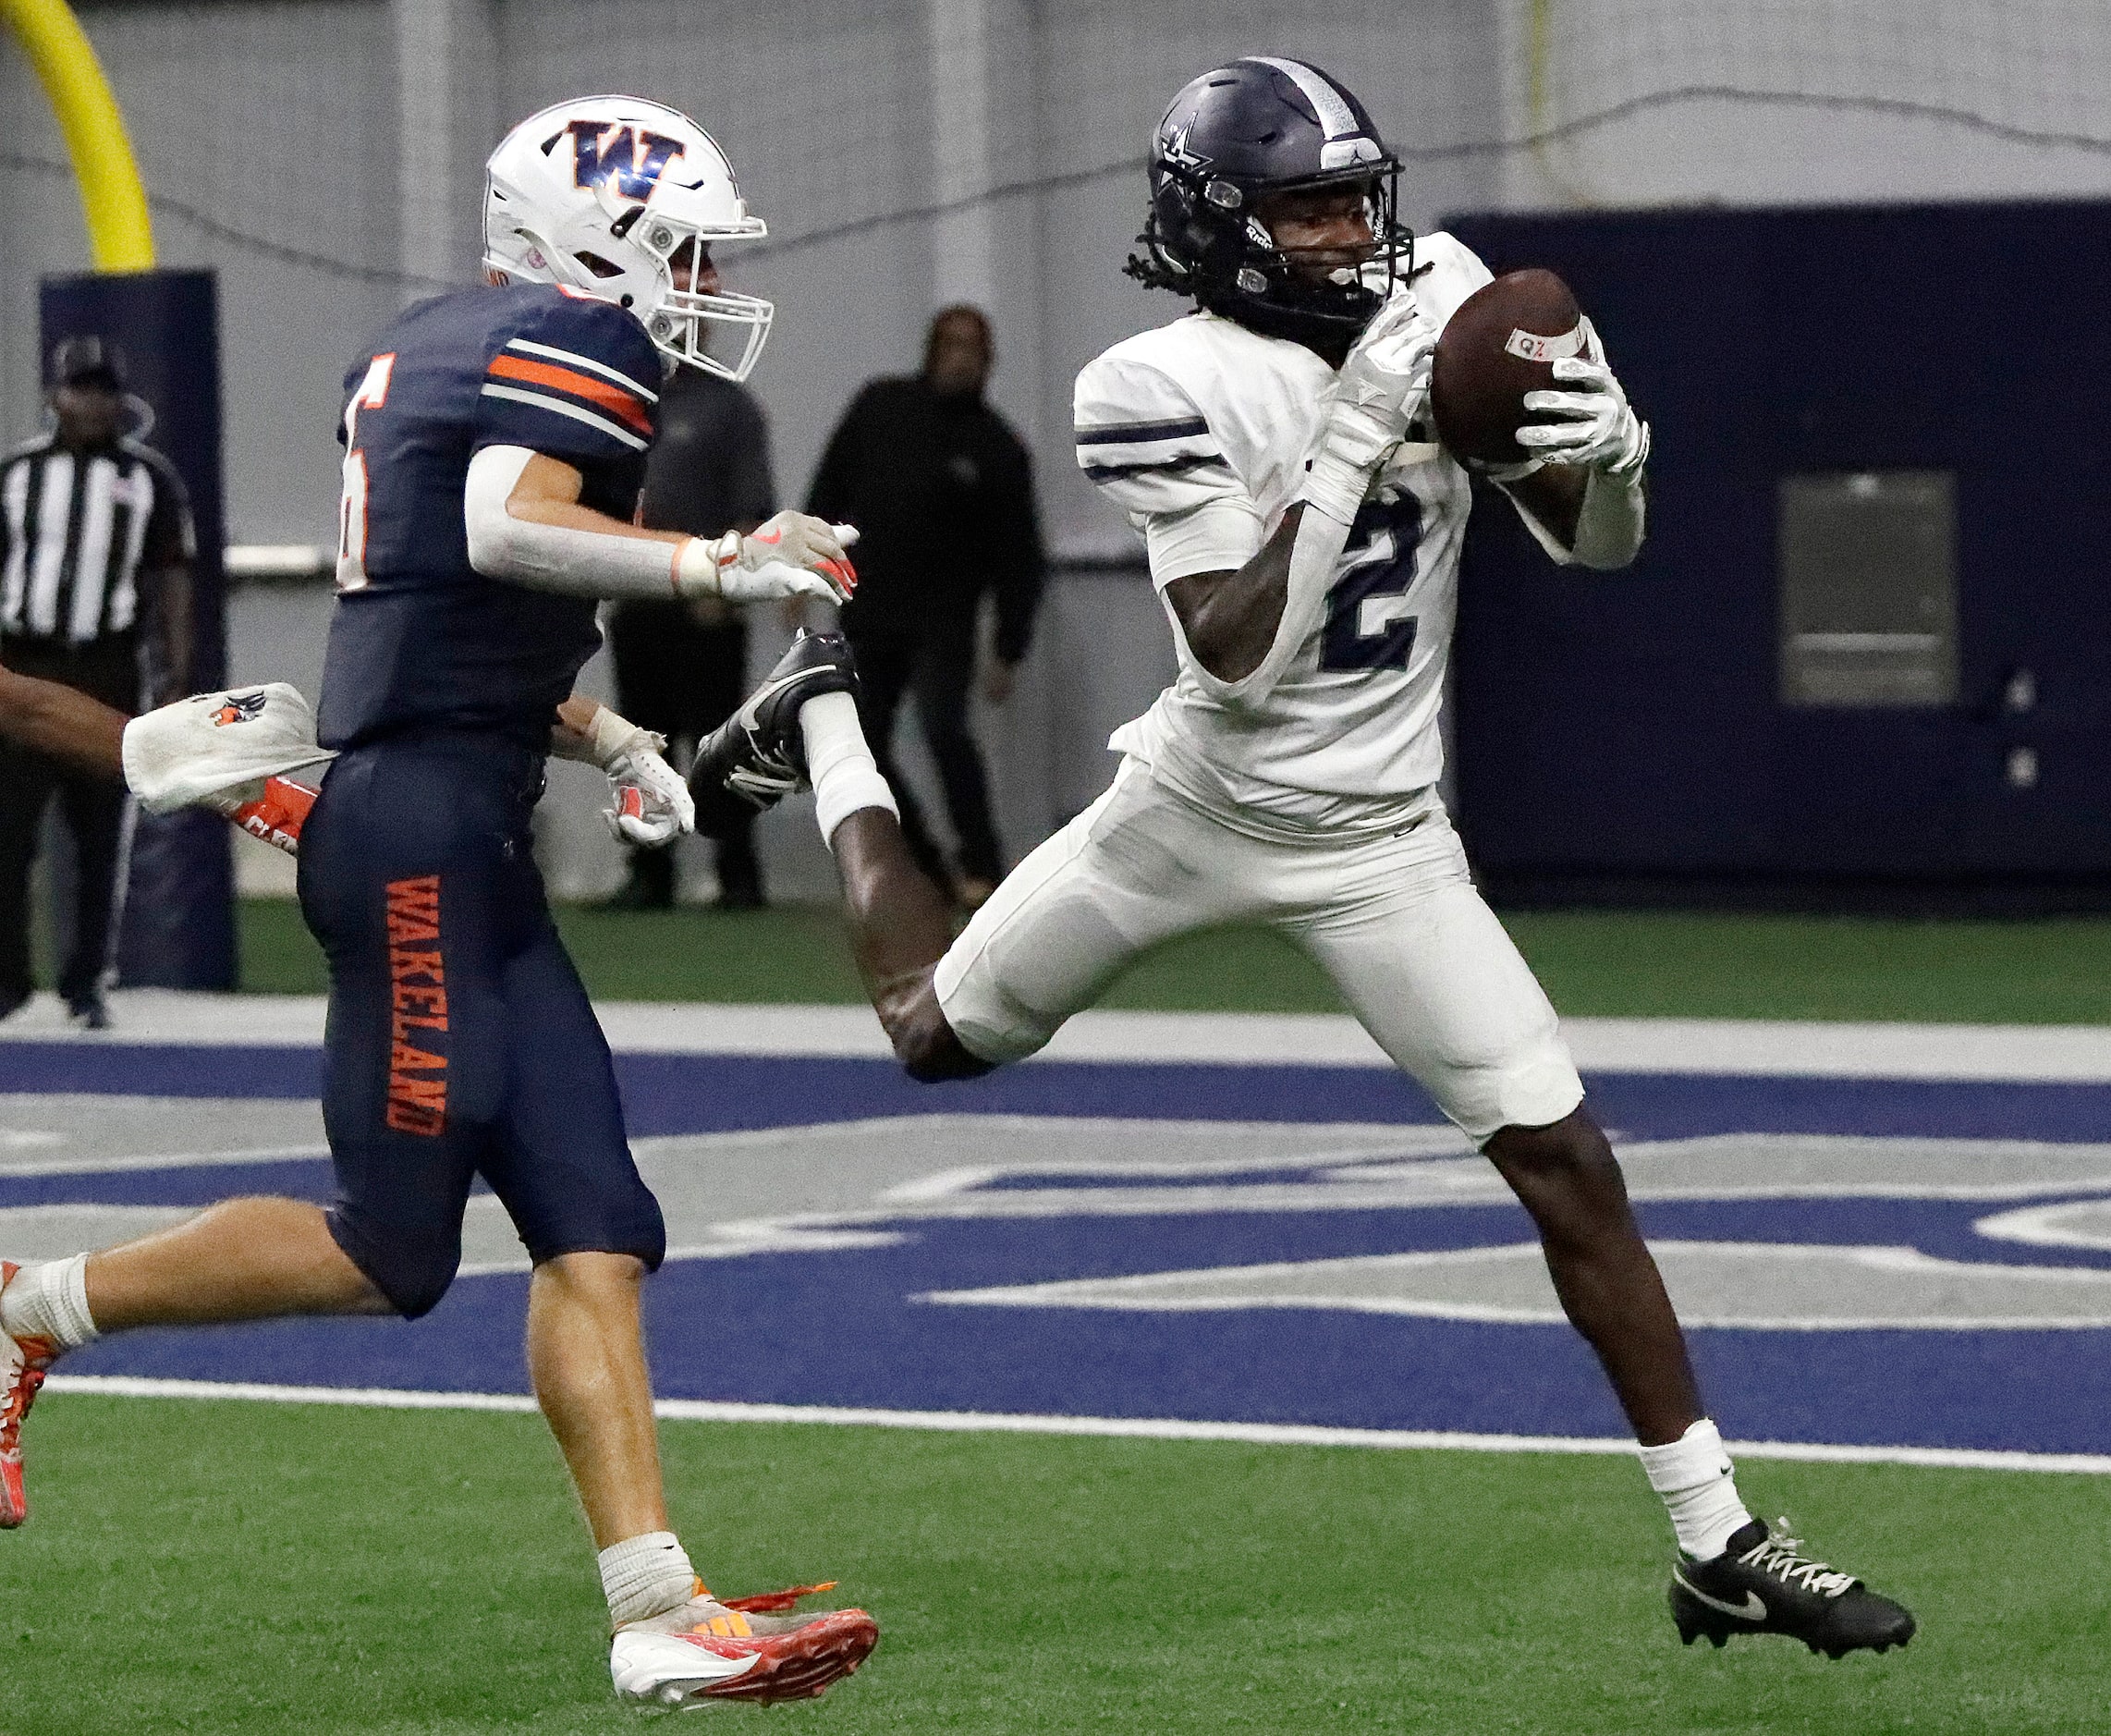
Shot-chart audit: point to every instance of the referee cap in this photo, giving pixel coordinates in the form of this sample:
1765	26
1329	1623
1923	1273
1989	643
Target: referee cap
87	359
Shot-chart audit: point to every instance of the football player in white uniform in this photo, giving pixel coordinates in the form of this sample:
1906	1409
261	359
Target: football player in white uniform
1275	449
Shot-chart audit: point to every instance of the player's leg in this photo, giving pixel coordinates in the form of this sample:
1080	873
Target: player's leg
248	1259
1137	867
1432	975
561	1166
803	724
563	1169
586	1359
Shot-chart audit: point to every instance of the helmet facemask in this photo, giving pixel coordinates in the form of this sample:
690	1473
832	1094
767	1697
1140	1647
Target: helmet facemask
1233	266
686	320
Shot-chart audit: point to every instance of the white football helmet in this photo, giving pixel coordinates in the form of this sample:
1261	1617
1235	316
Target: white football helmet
606	195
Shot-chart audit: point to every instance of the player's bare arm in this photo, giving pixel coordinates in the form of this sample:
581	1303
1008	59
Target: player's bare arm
1231	619
53	719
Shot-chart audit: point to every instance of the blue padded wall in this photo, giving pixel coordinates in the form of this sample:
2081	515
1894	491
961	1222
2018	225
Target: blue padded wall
1620	736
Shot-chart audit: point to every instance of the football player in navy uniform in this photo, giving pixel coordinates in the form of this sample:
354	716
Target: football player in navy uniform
494	444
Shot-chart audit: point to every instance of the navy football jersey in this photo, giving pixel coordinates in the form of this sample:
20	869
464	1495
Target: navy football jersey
420	639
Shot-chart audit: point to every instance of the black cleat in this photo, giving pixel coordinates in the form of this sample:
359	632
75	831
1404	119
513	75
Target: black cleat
757	756
1764	1584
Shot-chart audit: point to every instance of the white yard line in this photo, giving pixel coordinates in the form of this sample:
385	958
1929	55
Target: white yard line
1115	1427
2035	1054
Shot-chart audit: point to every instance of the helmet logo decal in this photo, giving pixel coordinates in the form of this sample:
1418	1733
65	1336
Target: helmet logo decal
1175	148
237	708
629	158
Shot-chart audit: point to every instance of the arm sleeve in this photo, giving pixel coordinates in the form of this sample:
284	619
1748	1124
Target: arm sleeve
1144	443
579	384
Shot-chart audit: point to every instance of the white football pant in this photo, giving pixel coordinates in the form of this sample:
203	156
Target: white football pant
1396	921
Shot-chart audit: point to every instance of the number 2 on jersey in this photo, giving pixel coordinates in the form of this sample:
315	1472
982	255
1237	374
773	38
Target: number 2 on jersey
352	506
1368	624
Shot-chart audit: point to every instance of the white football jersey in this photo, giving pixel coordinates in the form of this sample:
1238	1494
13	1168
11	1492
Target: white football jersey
1204	412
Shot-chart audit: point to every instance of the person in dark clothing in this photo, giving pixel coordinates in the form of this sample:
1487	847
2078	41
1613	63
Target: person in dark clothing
941	493
95	551
682	667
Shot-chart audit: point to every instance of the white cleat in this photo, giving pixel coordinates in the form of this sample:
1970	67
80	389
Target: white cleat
707	1651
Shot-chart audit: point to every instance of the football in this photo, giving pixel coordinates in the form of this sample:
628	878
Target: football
1502	343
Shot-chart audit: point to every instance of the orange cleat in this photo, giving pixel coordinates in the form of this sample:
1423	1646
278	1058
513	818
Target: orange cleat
740	1649
22	1366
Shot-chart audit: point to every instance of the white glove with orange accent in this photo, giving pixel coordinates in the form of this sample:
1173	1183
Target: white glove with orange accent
793	554
652	805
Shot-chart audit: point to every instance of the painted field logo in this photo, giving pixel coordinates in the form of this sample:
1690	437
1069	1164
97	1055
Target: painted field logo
417	1068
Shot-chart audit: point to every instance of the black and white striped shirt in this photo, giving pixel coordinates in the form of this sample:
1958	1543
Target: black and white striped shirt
76	527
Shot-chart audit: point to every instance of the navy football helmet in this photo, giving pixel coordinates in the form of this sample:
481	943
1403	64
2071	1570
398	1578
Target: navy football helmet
1263	124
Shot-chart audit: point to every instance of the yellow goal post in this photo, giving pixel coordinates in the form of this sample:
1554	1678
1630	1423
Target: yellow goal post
113	199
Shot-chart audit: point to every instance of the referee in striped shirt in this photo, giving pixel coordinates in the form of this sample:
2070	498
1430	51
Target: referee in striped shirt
95	551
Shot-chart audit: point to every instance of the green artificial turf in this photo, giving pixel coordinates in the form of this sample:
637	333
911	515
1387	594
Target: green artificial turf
1594	962
233	1567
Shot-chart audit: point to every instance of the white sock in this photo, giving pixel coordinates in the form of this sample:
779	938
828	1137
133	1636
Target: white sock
1694	1475
645	1575
49	1301
839	763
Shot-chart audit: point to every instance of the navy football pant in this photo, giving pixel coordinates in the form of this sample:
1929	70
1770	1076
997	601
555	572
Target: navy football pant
460	1041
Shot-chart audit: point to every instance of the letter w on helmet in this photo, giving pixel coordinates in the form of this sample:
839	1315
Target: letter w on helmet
605	194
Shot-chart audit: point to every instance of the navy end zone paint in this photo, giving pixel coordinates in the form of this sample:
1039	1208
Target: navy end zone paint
2046	1391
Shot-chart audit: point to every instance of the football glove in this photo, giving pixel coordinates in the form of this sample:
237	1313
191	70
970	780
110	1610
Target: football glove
652	805
1382	386
1598	429
793	554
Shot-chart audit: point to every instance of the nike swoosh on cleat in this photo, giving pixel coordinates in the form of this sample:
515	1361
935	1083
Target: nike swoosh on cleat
1754	1609
749	716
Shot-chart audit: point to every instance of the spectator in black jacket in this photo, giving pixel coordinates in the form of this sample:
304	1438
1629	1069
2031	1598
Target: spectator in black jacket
941	493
